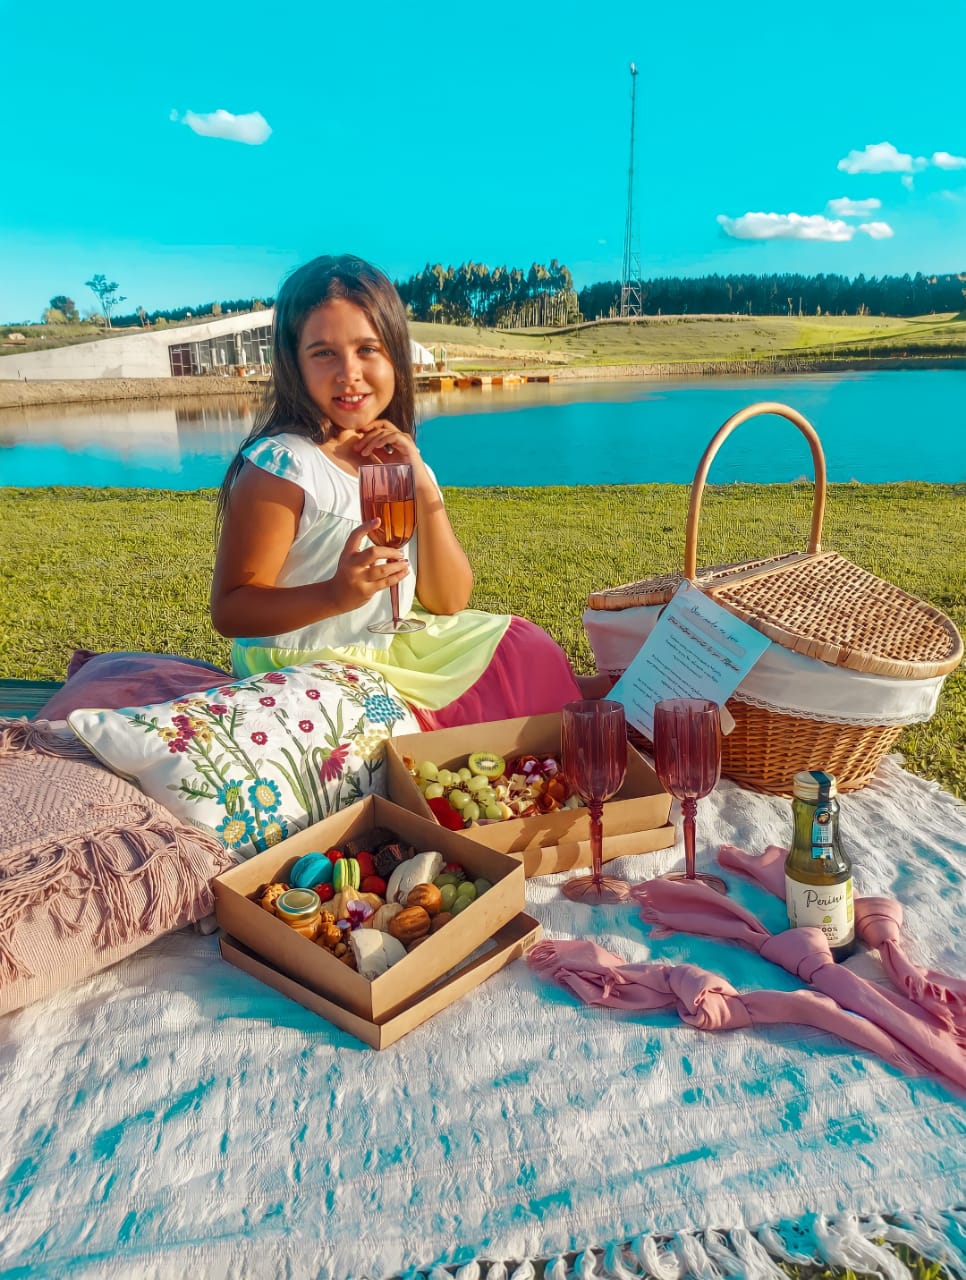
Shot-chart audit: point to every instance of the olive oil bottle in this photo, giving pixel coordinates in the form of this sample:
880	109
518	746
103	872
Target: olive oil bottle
818	872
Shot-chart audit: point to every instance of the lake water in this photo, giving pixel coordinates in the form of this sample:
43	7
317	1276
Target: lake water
875	428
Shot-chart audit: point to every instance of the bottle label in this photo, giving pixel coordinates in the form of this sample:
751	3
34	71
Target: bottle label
822	906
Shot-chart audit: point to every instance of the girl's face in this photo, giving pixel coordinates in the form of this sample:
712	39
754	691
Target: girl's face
344	365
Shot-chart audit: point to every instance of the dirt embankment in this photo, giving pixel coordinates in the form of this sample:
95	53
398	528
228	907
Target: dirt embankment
91	390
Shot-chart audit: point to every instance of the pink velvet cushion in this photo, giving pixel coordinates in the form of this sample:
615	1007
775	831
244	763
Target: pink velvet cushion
108	681
90	868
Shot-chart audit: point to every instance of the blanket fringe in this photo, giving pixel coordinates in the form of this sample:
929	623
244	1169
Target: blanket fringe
864	1244
39	736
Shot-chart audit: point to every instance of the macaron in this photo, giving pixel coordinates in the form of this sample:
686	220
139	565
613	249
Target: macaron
310	870
345	874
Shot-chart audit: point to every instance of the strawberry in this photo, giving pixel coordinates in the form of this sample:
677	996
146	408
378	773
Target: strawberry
334	855
367	864
373	884
325	891
445	814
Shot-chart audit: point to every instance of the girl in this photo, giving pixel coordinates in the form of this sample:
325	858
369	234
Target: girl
296	578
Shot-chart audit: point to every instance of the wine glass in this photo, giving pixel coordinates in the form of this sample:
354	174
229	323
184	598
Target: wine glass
388	492
687	759
593	739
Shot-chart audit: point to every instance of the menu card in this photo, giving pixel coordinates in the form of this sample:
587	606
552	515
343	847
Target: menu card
696	650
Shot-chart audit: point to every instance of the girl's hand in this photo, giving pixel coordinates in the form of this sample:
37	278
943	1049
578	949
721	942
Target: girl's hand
365	571
382	442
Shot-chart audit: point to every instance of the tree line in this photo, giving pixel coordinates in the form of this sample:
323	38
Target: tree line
788	294
545	297
501	298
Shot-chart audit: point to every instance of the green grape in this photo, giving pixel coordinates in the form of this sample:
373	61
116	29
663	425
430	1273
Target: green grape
485	795
493	812
481	886
447	893
460	903
471	811
476	782
465	774
444	878
458	799
427	770
466	890
447	778
432	790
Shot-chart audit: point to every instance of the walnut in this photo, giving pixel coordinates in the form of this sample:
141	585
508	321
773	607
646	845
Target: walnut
268	895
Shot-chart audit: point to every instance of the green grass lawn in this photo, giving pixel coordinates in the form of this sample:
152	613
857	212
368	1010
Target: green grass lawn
130	569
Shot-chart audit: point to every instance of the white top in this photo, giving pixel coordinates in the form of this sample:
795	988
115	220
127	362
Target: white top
330	511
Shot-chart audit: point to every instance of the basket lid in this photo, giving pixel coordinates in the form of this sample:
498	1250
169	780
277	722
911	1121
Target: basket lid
822	606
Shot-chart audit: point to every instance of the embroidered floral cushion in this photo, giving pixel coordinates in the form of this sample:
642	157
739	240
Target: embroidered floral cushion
260	758
91	869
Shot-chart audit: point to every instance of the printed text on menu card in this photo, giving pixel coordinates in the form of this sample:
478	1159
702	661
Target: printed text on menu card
696	650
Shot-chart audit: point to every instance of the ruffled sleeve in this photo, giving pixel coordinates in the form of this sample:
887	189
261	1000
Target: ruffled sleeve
285	457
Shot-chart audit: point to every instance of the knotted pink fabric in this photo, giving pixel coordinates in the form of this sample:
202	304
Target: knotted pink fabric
878	922
691	907
703	1000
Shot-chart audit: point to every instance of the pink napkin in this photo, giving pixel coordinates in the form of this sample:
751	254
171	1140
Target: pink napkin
691	907
701	999
878	922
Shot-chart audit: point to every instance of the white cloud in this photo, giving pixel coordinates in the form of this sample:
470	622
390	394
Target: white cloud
943	160
846	208
785	226
251	128
881	157
797	226
877	230
908	181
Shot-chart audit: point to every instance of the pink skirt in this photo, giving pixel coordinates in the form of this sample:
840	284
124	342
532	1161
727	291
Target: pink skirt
528	675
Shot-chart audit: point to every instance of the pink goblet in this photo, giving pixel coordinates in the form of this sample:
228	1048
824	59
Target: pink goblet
593	738
687	759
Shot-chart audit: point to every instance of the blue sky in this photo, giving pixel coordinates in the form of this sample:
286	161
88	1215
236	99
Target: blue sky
199	153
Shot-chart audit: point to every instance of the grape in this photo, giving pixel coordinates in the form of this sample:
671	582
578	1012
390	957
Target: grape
460	903
466	890
427	770
447	893
494	812
465	774
476	782
447	778
482	886
445	878
433	790
458	799
471	811
486	795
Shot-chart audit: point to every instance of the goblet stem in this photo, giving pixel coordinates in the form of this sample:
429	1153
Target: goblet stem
394	599
689	810
596	808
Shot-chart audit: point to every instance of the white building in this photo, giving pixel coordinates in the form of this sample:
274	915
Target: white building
228	345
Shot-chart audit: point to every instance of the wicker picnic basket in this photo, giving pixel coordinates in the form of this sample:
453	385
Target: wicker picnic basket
813	603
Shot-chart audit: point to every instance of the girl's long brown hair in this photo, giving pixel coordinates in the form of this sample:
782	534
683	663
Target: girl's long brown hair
287	406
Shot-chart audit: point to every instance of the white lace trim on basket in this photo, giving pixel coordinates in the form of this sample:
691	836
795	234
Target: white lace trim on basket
865	1244
781	680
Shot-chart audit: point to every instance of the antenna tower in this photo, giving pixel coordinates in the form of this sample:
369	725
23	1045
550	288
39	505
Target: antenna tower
631	290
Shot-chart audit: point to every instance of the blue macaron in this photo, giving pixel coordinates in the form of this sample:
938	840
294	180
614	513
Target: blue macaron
310	870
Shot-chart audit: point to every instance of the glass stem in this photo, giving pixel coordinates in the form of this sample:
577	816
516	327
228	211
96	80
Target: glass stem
394	598
596	808
689	809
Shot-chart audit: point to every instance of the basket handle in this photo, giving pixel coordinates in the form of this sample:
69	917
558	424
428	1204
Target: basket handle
701	475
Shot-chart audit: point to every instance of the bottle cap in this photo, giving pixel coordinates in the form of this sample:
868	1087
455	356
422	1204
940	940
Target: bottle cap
810	785
298	904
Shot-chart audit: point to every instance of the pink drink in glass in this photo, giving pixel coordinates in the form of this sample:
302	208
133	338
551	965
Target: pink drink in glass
687	759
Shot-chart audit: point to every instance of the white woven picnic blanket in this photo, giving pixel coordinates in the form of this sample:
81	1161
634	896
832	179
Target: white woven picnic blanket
174	1117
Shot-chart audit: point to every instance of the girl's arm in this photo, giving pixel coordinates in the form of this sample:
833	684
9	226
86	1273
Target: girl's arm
444	578
257	534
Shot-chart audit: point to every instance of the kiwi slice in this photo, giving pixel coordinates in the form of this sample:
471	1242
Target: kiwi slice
486	763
